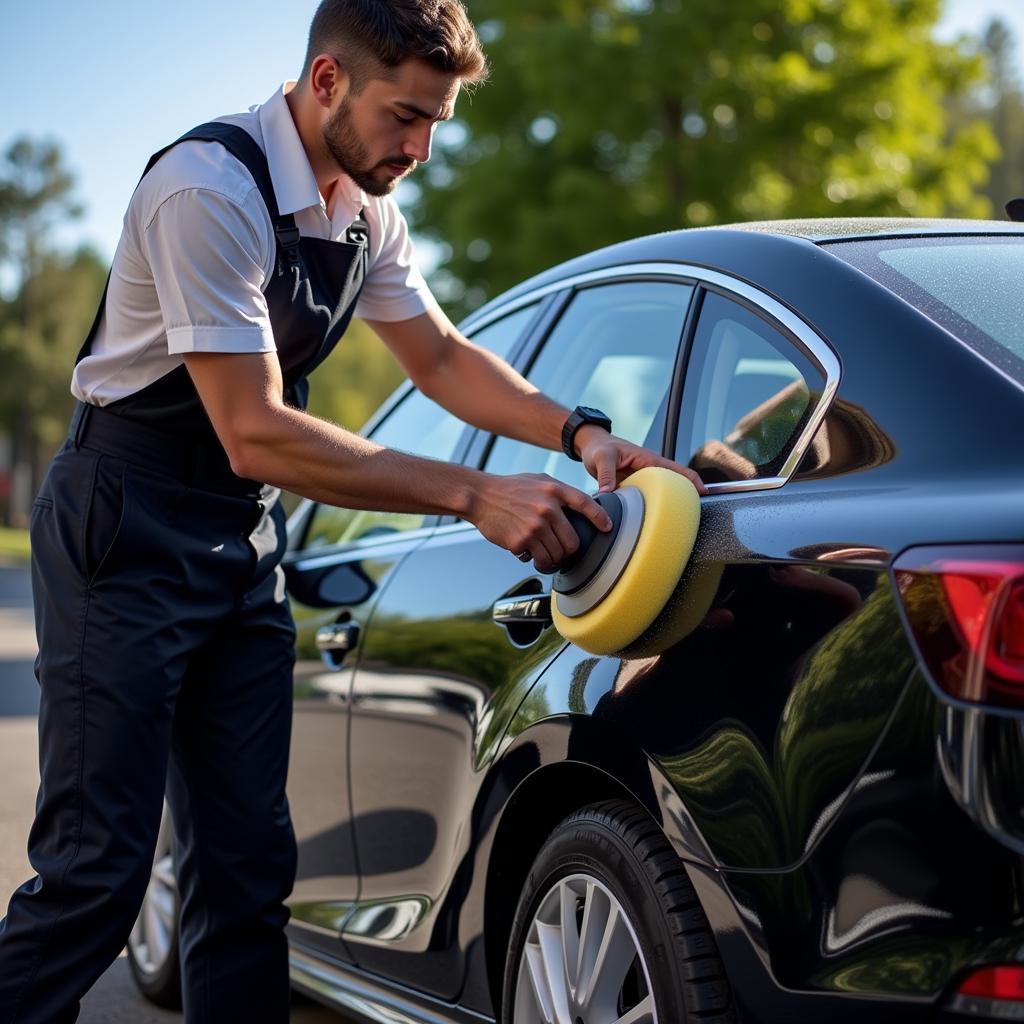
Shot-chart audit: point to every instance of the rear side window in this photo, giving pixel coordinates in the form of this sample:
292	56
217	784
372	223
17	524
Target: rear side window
970	286
748	395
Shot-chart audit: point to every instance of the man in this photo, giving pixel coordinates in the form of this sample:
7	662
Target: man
166	644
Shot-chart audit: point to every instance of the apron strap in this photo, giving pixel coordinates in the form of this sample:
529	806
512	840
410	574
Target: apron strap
241	145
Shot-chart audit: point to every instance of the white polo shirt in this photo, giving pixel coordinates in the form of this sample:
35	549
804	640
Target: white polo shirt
198	245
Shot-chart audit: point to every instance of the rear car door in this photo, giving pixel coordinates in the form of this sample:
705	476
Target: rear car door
440	678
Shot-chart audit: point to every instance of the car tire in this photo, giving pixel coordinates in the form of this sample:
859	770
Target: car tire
607	869
153	944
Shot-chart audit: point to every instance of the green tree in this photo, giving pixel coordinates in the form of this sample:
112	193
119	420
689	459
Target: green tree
35	193
606	119
41	330
43	322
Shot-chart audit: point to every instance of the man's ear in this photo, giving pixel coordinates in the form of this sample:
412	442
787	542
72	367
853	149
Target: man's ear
328	80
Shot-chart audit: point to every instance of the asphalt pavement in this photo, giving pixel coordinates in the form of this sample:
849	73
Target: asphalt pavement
114	998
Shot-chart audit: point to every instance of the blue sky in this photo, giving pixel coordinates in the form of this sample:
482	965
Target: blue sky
114	81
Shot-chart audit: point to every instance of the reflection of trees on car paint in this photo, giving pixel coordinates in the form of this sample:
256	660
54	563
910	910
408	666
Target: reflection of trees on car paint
834	647
848	440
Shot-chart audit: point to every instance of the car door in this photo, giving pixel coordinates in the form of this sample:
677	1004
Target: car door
338	563
439	678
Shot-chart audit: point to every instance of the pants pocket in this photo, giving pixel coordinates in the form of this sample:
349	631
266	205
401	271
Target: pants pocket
105	517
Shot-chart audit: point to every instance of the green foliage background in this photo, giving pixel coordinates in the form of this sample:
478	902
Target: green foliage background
359	375
606	119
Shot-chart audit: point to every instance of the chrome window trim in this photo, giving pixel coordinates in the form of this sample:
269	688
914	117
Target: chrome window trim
796	329
378	546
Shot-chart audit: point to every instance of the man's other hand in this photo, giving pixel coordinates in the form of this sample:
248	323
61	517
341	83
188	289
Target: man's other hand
610	459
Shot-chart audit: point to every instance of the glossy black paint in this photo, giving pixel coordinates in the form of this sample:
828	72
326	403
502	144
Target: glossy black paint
789	745
327	883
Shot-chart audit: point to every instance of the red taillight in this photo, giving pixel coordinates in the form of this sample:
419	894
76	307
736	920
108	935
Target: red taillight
995	983
965	606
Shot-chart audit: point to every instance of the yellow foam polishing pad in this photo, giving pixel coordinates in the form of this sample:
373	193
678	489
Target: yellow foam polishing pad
671	518
684	611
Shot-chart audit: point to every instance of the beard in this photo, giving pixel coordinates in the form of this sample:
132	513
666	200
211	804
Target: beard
351	155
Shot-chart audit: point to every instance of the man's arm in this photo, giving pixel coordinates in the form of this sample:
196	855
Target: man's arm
269	441
482	389
477	386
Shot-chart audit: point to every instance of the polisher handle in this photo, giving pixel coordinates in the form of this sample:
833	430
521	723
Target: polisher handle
585	530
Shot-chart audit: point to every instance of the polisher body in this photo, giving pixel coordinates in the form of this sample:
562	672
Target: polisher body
642	566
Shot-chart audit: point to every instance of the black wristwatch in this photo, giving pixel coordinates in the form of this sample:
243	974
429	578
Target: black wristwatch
580	415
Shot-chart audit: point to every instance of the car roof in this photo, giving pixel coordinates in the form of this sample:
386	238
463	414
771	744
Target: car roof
848	229
746	248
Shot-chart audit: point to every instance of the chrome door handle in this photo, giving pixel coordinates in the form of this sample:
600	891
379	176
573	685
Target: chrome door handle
533	609
338	638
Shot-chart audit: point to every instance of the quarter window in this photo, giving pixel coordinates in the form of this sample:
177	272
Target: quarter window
614	348
749	393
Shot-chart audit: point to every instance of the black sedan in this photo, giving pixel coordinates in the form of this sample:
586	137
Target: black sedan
810	806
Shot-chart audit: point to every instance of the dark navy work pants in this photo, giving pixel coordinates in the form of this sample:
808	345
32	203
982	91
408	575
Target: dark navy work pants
166	649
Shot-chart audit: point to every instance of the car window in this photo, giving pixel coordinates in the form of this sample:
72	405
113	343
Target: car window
614	348
417	426
971	286
748	394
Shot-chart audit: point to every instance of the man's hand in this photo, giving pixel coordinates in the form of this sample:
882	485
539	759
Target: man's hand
524	513
610	459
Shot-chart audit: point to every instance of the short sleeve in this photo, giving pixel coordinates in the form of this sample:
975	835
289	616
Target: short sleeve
207	254
394	288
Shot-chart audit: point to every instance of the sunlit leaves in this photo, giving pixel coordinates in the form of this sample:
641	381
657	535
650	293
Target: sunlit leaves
606	119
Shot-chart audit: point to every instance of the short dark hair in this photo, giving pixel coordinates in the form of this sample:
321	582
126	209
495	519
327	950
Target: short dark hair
370	37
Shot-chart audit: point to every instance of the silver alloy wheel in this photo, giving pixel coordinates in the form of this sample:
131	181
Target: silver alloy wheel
155	932
581	962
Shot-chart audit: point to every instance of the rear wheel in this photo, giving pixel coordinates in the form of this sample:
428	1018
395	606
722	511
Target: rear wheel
153	944
609	930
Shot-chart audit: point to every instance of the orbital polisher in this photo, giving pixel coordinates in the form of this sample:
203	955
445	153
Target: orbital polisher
619	592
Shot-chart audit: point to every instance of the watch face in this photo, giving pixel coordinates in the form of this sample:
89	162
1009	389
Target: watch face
591	415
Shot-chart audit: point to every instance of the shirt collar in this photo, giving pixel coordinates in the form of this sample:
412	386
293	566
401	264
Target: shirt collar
293	179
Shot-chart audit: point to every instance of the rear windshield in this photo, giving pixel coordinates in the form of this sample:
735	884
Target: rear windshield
974	287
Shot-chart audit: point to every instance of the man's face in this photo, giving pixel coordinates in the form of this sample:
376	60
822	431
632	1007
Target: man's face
379	135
